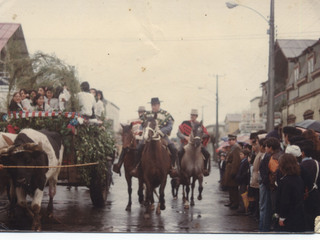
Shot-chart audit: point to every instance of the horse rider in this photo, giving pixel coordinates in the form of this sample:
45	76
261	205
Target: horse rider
184	131
137	132
165	123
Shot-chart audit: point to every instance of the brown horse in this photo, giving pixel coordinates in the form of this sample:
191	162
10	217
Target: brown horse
192	165
129	148
155	165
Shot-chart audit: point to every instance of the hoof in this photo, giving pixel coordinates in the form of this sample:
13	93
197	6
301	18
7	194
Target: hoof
162	206
152	207
199	197
192	203
186	206
146	216
128	208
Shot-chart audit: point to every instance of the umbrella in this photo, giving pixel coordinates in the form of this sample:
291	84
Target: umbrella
309	124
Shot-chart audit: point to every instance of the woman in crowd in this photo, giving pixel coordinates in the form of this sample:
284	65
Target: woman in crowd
32	94
99	107
290	195
50	100
39	103
25	100
15	104
311	135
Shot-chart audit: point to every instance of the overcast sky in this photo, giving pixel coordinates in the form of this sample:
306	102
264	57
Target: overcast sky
172	49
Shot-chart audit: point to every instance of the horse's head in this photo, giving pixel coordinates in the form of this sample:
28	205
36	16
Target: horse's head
196	134
127	136
150	128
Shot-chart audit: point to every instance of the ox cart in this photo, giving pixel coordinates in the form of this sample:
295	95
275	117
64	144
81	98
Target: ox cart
88	148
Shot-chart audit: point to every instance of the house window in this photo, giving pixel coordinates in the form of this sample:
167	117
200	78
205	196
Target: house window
311	64
296	73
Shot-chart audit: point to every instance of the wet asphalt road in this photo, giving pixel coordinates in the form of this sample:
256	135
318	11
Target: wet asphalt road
74	212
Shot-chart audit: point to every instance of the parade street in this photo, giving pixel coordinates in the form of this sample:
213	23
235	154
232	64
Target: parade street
74	212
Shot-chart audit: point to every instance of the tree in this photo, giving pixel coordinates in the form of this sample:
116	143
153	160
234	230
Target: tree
41	69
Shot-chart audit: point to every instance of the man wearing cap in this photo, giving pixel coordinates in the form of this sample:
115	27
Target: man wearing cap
165	123
184	131
137	132
233	163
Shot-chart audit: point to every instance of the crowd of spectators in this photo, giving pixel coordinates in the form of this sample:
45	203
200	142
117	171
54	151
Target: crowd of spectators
49	99
277	178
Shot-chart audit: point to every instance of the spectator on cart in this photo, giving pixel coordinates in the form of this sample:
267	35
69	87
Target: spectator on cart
25	100
32	94
50	100
99	106
86	101
15	103
63	96
39	103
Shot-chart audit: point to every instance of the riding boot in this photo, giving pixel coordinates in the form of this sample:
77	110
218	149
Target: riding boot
174	156
137	157
206	155
116	167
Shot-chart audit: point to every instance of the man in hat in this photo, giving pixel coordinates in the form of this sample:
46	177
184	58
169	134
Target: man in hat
233	163
165	123
137	132
184	131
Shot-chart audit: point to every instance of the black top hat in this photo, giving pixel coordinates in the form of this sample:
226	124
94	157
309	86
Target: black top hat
155	100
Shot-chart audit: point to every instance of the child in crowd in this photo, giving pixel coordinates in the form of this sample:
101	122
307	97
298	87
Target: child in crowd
243	179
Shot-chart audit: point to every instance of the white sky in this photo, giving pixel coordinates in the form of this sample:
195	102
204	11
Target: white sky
133	50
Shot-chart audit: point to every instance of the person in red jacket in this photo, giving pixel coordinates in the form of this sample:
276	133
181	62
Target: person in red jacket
184	131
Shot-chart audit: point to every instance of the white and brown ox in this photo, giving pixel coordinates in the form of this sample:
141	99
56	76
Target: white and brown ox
34	148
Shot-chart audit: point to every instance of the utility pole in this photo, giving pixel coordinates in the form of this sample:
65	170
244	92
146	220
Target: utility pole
271	85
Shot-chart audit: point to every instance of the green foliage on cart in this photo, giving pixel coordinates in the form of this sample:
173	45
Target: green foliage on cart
90	143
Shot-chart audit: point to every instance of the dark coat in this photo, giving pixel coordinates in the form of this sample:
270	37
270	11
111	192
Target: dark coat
243	175
312	199
233	163
264	170
290	203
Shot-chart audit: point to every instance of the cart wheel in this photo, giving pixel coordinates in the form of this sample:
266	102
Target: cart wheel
98	190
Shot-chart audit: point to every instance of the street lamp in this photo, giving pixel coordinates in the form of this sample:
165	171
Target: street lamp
270	103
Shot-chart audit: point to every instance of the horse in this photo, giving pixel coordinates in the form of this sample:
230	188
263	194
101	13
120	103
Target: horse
129	148
192	165
155	165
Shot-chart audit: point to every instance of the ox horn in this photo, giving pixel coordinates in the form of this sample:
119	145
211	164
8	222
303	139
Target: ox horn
7	140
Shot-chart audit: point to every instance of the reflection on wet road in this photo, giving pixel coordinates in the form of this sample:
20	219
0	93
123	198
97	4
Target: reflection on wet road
73	212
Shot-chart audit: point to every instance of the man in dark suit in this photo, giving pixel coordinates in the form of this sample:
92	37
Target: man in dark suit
233	163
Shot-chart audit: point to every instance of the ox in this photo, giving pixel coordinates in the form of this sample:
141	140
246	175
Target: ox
34	148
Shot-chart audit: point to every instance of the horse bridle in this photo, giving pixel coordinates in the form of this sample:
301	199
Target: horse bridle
155	136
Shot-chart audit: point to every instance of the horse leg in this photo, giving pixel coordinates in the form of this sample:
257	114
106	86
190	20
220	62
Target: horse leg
161	191
192	191
140	191
200	187
186	204
129	184
149	194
